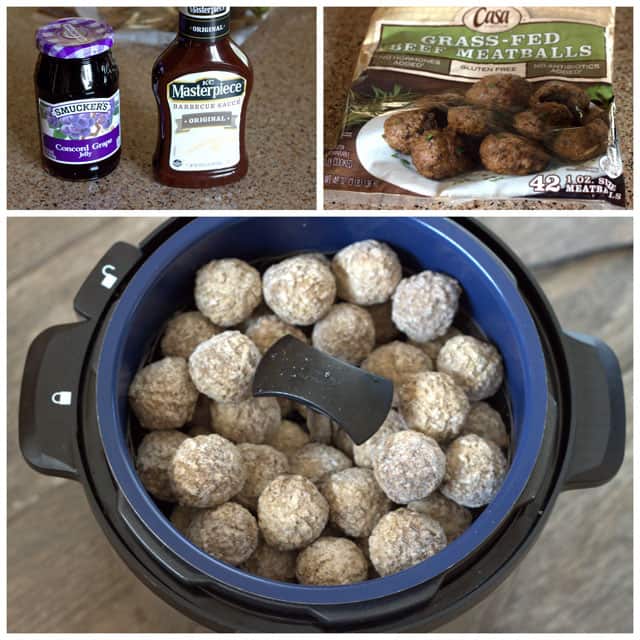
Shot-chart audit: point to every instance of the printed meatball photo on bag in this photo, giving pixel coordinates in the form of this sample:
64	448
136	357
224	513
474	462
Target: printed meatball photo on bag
455	104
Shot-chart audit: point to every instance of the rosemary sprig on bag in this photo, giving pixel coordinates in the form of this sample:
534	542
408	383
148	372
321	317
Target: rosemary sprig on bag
361	109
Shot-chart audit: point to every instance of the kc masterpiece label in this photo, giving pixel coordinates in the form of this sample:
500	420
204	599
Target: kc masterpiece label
205	112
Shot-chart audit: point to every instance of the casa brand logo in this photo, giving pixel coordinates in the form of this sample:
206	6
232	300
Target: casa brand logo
492	19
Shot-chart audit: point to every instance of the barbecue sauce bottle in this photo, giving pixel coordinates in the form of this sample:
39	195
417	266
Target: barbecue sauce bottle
202	83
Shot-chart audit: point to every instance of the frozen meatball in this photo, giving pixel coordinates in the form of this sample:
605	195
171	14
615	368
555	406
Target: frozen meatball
474	365
487	423
331	561
153	461
472	121
181	517
291	512
475	470
228	533
431	402
206	471
537	122
319	427
403	539
162	395
578	144
356	501
363	454
222	367
396	361
262	464
367	272
513	155
227	291
409	466
346	332
455	520
288	438
272	564
381	316
266	330
424	305
401	129
441	154
300	290
432	348
185	332
316	461
500	91
566	93
341	440
246	421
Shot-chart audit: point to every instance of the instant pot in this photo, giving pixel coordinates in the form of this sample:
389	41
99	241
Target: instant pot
565	404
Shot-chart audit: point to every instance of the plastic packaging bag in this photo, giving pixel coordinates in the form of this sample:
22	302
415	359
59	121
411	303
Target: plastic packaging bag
470	103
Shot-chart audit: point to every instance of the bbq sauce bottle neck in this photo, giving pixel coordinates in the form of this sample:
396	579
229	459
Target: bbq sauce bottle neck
204	29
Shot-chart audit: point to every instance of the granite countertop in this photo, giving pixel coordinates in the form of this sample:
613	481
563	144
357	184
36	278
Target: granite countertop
281	173
344	30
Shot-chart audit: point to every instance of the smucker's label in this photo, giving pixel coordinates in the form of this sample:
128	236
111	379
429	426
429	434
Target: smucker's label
205	114
80	131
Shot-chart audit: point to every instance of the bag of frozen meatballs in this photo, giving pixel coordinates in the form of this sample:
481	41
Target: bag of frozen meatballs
482	103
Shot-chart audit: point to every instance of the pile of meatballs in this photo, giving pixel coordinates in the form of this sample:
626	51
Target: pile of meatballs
279	490
503	124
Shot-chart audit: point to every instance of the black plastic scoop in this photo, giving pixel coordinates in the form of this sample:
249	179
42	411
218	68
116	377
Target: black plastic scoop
356	399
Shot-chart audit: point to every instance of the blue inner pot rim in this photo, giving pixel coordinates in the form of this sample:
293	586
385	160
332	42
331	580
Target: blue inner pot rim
118	456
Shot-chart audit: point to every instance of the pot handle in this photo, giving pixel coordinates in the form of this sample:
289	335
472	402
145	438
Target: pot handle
49	397
598	412
49	402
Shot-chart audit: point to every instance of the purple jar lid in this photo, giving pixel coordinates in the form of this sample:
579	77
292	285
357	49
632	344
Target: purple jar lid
74	38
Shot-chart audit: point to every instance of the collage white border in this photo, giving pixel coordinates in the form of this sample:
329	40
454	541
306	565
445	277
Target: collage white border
320	194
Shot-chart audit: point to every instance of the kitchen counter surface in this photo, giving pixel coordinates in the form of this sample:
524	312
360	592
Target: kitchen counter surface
282	166
344	30
64	577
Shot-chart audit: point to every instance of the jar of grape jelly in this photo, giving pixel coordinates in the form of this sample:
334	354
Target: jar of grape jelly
78	100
